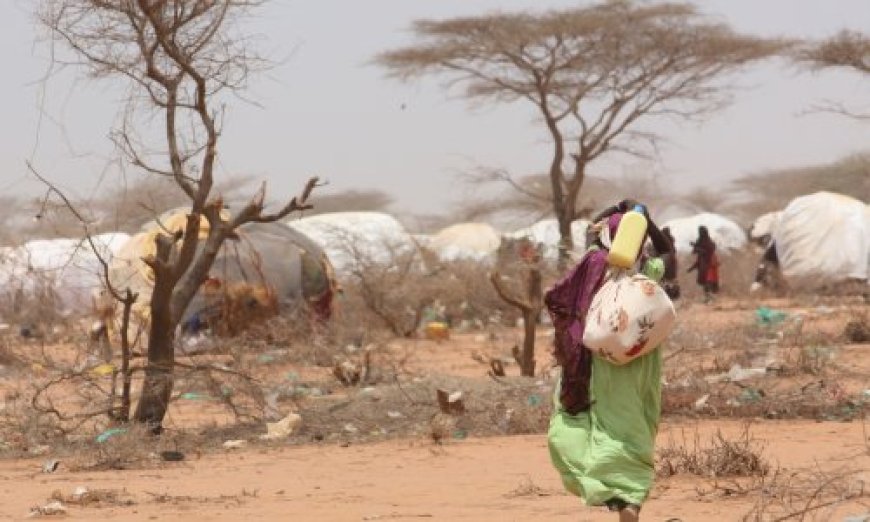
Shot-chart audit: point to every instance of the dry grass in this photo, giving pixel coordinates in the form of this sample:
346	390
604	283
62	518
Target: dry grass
721	457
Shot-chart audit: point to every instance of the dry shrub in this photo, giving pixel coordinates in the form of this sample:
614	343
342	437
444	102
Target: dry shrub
857	330
527	488
811	494
721	457
95	498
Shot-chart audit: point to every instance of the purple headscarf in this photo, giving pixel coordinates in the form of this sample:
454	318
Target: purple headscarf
567	302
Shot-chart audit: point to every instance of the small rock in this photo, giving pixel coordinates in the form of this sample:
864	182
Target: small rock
79	492
172	456
50	466
701	402
350	428
394	414
235	444
283	428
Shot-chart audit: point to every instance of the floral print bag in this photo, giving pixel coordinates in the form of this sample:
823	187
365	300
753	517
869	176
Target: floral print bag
630	316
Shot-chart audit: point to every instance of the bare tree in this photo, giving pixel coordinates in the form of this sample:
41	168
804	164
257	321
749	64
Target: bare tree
593	75
179	59
353	201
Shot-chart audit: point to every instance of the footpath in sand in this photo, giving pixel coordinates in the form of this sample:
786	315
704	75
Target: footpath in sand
479	479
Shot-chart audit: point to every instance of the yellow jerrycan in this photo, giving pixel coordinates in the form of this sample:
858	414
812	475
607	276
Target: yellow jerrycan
629	239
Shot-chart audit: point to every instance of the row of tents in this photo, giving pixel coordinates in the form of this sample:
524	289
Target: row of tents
824	236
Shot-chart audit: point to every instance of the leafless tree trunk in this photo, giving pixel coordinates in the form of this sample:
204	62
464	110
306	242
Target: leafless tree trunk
530	305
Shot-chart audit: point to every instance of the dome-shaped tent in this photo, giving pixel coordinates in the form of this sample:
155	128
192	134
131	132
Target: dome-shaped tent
354	238
727	234
62	274
824	237
546	232
269	257
471	241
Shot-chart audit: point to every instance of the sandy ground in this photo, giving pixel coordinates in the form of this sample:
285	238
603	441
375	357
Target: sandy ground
477	479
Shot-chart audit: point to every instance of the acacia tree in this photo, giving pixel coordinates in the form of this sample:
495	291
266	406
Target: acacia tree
847	49
179	60
593	74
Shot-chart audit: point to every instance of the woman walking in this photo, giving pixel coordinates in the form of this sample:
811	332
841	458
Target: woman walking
602	433
706	263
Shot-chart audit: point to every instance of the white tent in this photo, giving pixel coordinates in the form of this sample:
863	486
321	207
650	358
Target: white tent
824	237
474	241
353	238
546	232
67	270
725	233
764	225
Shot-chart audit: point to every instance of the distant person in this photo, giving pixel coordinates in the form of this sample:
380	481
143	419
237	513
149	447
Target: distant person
669	280
605	417
767	273
706	263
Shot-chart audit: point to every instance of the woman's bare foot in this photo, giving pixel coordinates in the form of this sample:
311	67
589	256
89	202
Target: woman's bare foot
629	514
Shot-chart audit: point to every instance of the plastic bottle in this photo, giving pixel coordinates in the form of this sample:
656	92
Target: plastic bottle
629	239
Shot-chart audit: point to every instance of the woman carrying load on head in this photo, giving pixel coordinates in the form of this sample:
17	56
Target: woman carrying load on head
706	263
603	429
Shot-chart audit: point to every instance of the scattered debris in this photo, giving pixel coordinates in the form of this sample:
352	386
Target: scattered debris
103	370
172	456
767	316
109	433
437	331
235	444
52	509
737	374
195	396
283	428
496	366
450	403
347	373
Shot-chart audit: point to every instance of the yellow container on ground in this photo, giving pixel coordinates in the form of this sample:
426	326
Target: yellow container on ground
437	331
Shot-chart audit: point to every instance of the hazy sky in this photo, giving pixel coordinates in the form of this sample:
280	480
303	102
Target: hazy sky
327	111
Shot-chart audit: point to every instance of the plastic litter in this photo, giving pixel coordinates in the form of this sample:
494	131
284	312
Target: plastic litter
737	374
766	316
283	428
50	466
195	396
109	433
749	395
395	414
103	369
52	509
235	444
